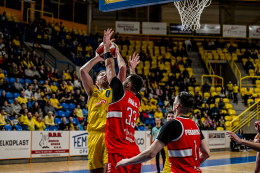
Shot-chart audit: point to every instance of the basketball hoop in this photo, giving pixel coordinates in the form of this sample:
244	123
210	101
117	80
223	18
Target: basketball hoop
190	11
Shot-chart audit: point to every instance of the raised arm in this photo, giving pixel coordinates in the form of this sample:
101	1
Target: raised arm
109	60
121	65
204	151
85	77
133	62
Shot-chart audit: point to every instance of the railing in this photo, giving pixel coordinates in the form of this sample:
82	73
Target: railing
33	14
236	71
245	117
53	60
213	77
248	77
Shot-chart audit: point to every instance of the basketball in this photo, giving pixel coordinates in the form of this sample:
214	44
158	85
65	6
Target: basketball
100	49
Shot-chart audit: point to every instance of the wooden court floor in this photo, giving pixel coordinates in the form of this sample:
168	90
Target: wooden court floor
224	161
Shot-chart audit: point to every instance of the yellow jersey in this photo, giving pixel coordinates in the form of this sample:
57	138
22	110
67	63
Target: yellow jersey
22	100
55	102
158	114
167	166
230	87
54	88
235	89
40	126
30	124
98	107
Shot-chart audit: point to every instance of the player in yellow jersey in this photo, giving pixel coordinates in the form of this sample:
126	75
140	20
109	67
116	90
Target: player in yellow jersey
167	166
99	98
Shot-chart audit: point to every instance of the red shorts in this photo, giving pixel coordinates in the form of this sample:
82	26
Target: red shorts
113	158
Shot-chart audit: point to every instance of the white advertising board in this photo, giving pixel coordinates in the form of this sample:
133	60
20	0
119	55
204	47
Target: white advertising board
155	28
254	31
140	140
209	29
217	139
127	27
78	143
50	143
15	144
234	31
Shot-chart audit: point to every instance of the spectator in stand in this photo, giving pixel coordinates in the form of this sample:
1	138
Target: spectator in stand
77	84
207	122
206	87
53	87
253	54
17	87
14	70
49	108
155	85
248	64
221	122
159	92
22	99
16	107
230	90
42	73
188	44
235	91
38	95
21	72
77	96
29	93
81	125
24	115
8	109
188	62
222	93
55	102
67	75
195	119
168	108
71	125
66	98
247	53
35	108
70	86
29	122
49	119
79	113
158	113
35	74
15	121
16	43
89	49
198	104
82	102
166	101
2	117
210	100
40	124
248	94
221	104
214	110
206	110
126	42
64	125
232	49
27	61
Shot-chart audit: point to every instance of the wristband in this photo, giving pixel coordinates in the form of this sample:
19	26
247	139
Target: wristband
108	55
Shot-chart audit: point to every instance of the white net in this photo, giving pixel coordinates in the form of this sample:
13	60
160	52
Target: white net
190	11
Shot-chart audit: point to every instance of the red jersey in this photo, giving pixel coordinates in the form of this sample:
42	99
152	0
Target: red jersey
184	151
120	127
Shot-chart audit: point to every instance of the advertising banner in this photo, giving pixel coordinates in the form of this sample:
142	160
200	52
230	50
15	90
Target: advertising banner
127	27
78	143
234	31
217	139
140	140
176	29
209	29
254	31
16	144
50	143
154	28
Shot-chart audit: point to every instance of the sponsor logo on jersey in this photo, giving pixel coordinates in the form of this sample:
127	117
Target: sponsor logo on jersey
129	139
101	101
192	132
130	101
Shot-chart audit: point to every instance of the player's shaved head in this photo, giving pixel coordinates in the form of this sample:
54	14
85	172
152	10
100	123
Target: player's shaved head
133	82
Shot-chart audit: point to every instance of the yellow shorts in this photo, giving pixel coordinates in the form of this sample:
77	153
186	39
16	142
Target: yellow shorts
167	167
97	151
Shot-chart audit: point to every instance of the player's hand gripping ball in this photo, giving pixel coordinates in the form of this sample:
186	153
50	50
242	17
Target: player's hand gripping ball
100	49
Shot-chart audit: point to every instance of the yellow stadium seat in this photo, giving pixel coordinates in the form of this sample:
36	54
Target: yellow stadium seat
226	100
214	94
196	110
257	91
177	88
228	106
228	118
202	119
211	106
206	95
218	89
217	100
234	118
242	92
249	102
224	111
220	129
190	88
231	112
197	89
236	123
212	89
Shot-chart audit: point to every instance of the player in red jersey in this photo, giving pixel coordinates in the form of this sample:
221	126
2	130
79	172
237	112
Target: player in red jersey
122	114
186	145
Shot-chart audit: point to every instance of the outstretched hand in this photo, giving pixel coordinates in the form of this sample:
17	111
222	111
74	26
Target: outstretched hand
133	61
107	36
234	137
123	162
98	57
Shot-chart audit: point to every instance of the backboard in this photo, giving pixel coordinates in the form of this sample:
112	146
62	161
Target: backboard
113	5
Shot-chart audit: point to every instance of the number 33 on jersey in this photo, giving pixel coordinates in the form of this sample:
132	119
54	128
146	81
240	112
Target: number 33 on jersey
121	119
